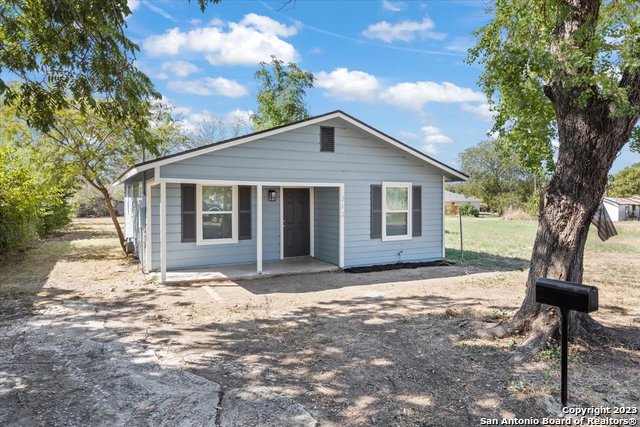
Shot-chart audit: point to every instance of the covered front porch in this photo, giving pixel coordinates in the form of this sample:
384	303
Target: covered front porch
287	266
274	211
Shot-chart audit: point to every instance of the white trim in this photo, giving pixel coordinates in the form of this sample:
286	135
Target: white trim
163	232
313	121
259	228
443	223
281	223
149	232
409	211
341	226
200	241
312	221
287	184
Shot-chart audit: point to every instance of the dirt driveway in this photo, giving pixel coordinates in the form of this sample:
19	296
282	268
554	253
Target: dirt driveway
98	343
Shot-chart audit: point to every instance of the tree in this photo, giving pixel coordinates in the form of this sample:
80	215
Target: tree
568	69
213	129
281	99
626	183
99	150
496	176
33	191
63	50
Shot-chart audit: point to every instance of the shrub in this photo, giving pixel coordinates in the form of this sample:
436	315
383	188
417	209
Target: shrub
515	214
469	210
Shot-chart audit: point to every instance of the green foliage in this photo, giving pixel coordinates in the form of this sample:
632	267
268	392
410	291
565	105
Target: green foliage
64	50
530	54
33	199
281	99
625	183
469	210
497	177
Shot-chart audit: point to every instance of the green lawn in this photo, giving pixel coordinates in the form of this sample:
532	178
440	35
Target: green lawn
494	242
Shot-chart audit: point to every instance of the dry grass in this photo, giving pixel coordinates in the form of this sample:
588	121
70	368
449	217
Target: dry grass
385	348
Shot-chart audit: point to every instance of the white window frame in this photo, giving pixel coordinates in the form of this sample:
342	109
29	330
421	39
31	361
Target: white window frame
234	216
408	186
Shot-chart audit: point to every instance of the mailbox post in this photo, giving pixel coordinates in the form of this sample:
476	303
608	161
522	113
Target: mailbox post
567	296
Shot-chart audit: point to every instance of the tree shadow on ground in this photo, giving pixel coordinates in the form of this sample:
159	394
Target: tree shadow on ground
23	275
303	283
368	361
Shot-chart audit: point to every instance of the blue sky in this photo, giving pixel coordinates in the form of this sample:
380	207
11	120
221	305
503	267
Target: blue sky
397	65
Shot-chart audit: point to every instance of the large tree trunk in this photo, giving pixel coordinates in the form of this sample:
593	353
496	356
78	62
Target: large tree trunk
590	139
589	143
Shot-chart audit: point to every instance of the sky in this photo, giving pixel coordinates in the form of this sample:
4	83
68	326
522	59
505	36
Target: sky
399	66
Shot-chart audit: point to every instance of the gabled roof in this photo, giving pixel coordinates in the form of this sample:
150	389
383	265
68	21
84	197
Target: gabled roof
635	200
450	196
453	174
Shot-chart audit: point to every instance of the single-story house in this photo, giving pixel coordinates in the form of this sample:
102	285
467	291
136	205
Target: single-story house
622	209
329	187
453	201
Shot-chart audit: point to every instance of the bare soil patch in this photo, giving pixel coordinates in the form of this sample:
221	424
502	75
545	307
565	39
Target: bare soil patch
382	348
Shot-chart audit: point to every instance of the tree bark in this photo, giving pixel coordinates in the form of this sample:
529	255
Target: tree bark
112	213
590	140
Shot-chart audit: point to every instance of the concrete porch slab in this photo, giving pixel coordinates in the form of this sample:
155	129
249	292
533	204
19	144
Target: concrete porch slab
248	271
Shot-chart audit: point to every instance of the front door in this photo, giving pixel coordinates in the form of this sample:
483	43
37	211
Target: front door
296	222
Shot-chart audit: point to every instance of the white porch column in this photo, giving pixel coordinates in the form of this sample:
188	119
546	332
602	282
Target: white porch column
259	228
444	251
148	231
312	221
163	232
341	218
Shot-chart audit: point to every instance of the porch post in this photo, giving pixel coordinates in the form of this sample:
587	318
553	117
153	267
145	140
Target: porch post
259	228
341	232
163	232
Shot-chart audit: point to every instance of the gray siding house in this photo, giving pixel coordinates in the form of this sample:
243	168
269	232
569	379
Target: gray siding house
330	187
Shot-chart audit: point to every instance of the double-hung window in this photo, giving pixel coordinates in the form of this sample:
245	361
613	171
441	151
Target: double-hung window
217	214
396	211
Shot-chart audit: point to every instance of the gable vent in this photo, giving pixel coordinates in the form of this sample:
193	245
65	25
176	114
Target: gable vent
327	139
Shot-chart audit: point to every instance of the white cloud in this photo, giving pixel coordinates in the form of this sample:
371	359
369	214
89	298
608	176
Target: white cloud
269	26
133	4
180	68
413	95
433	135
252	40
404	30
238	115
348	85
394	6
209	86
430	149
482	110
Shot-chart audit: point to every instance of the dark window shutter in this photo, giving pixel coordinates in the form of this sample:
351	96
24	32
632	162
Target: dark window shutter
376	211
416	207
188	212
327	139
244	212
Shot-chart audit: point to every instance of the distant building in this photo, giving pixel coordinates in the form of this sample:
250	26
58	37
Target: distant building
622	209
453	201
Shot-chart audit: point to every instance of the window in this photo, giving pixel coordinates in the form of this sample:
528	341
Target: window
327	139
396	211
217	214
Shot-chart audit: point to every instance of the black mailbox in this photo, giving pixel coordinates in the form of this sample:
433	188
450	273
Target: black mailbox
567	295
